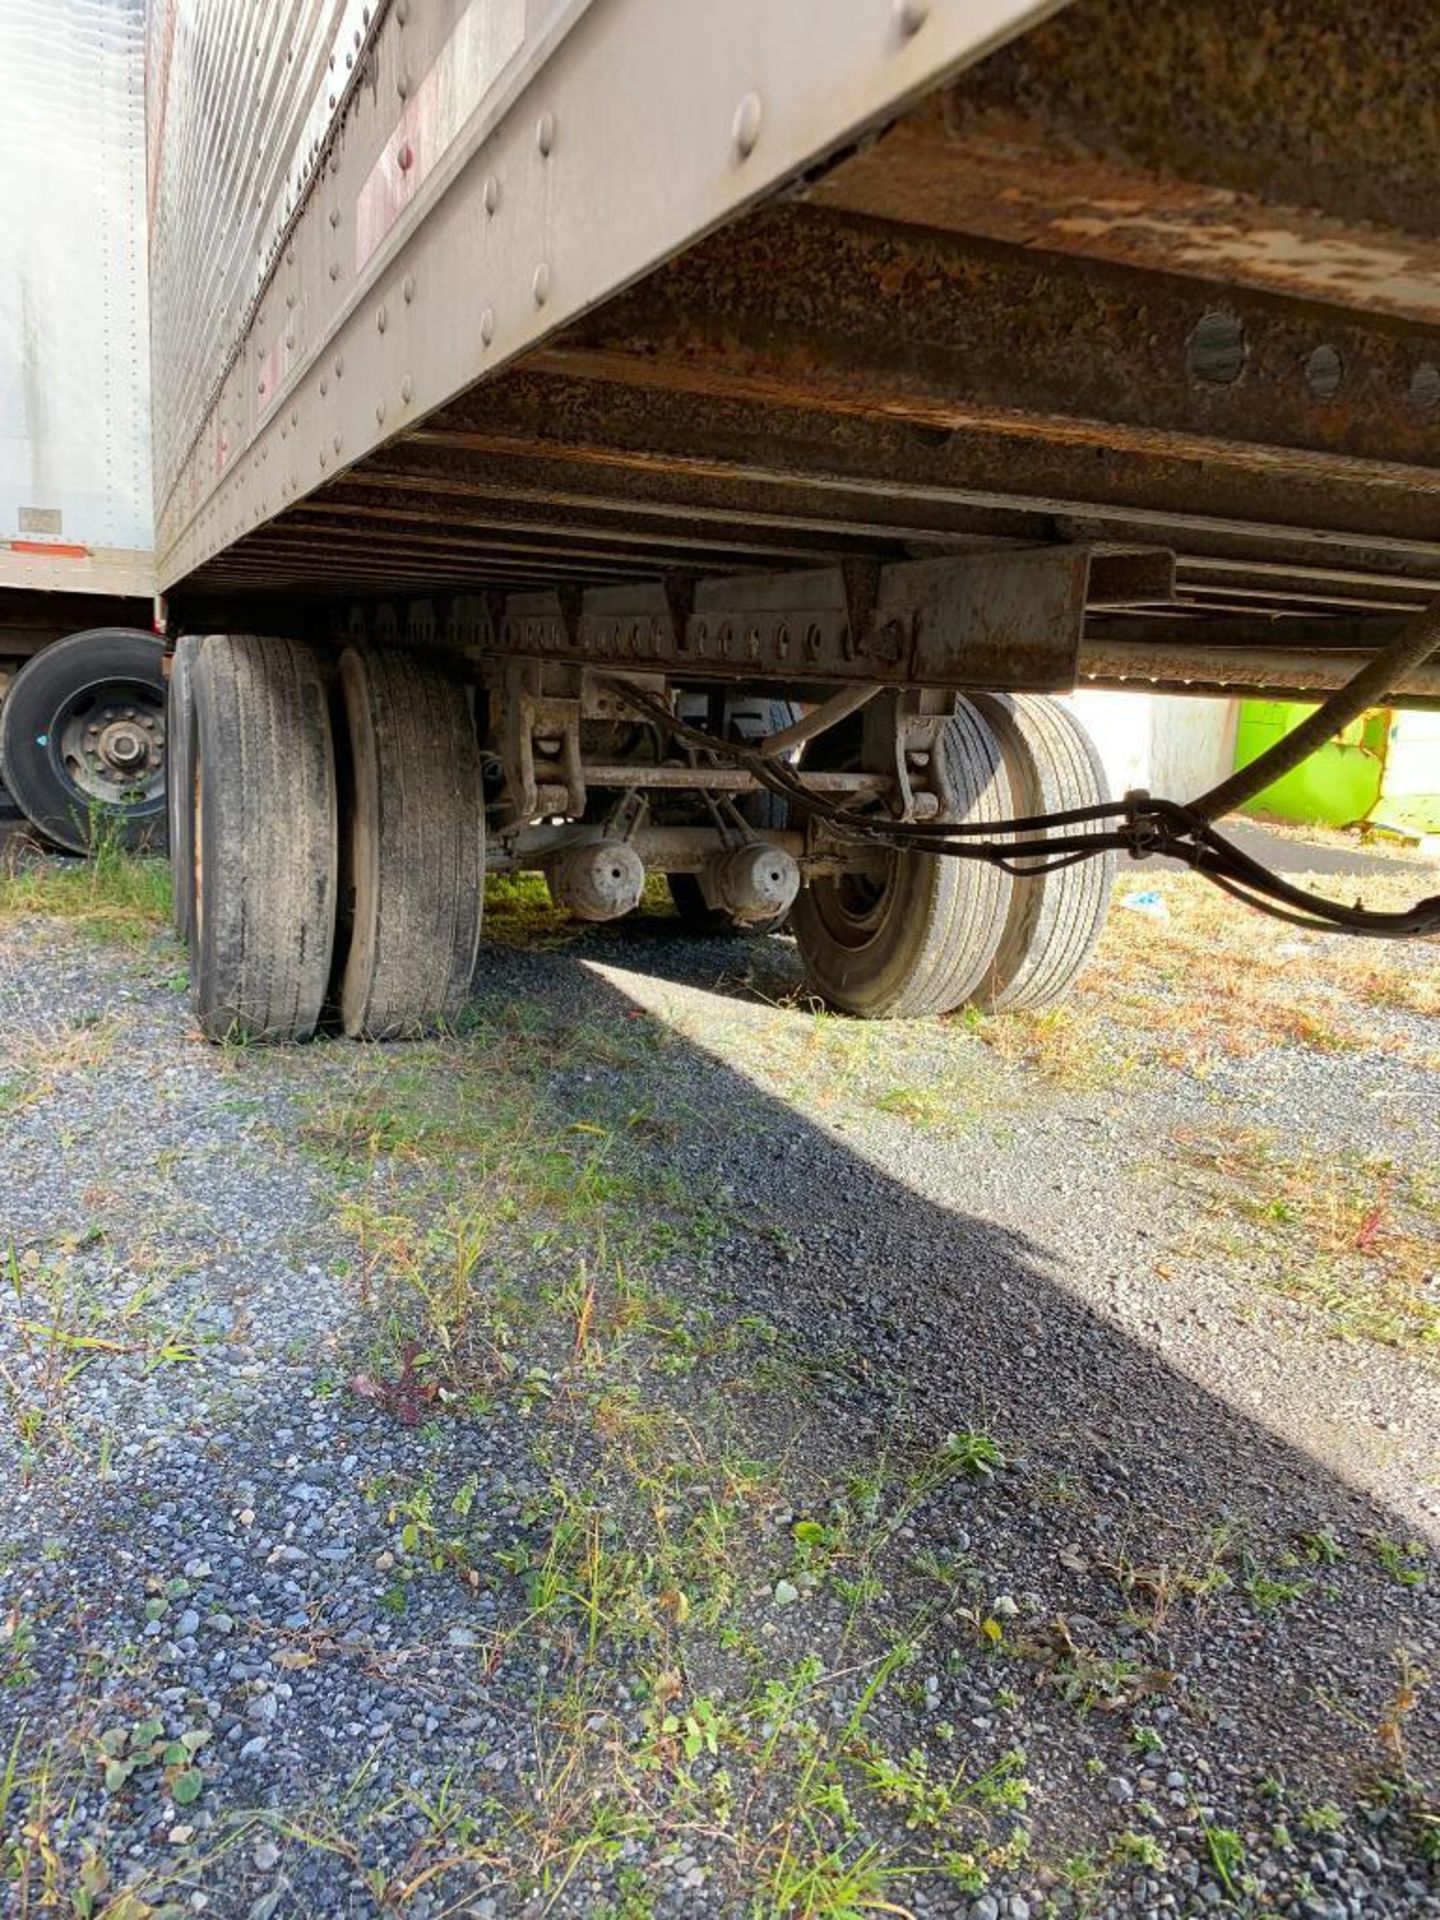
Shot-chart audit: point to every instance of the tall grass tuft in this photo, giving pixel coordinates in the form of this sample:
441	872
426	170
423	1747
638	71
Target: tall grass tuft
114	894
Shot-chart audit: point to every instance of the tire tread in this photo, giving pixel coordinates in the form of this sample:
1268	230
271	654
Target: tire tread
942	935
261	940
179	801
418	841
1055	918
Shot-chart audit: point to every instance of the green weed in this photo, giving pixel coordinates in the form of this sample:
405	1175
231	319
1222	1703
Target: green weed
114	894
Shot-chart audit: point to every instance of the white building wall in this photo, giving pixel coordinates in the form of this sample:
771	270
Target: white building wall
1174	745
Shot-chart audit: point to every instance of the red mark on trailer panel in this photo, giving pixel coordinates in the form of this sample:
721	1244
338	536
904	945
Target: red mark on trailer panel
52	549
487	36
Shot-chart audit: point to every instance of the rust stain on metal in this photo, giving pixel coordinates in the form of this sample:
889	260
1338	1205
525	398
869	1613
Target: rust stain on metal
1162	273
1001	178
1199	664
1322	104
809	307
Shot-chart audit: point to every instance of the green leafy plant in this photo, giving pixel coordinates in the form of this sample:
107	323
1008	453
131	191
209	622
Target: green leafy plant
1227	1855
1404	1561
1269	1593
1141	1849
127	1750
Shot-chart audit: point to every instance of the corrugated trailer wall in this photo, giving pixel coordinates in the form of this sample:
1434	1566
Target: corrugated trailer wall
76	507
241	93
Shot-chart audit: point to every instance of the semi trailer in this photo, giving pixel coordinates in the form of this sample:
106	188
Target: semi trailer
609	438
82	697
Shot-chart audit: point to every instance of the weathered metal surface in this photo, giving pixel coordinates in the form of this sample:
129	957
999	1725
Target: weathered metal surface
818	720
665	849
976	620
1201	666
1155	275
1208	665
240	97
719	779
804	307
995	477
1322	104
75	494
1256	634
597	879
680	463
999	176
385	299
1290	149
756	884
75	566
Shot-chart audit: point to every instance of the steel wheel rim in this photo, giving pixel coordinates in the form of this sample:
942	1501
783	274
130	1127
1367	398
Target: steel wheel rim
107	743
854	908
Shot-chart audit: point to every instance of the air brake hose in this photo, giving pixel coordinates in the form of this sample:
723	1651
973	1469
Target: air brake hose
1140	825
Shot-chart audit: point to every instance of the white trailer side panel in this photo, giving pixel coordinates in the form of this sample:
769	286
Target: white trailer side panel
465	177
76	505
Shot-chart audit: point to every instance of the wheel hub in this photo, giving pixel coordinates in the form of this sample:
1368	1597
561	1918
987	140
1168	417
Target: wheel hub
112	743
123	746
855	906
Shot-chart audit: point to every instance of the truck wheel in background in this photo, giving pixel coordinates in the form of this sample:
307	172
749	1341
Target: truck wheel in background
412	845
82	739
179	799
915	935
1055	918
261	787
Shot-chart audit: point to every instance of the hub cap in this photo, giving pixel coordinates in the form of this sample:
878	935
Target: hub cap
110	742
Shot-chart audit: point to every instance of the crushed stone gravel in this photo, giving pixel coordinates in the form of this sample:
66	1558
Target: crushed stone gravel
1193	1591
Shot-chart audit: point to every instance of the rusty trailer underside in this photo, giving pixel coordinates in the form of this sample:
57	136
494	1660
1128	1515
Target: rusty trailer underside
1157	274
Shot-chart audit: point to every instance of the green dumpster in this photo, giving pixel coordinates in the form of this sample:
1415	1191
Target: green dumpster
1384	769
1410	789
1336	786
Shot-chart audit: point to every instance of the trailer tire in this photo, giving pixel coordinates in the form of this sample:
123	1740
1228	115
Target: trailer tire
261	781
763	809
101	689
1054	918
179	797
412	846
919	940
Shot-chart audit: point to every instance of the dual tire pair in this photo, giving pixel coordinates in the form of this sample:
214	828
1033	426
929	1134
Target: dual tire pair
923	934
327	847
327	839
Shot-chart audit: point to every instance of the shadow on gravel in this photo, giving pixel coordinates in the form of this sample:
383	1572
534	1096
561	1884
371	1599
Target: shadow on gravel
767	970
949	1322
1155	1599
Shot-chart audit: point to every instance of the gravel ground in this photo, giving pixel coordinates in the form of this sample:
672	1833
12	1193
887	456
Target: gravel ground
669	1451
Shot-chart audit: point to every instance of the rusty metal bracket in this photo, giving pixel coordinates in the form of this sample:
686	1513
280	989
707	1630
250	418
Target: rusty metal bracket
860	582
899	740
550	780
1002	618
517	747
